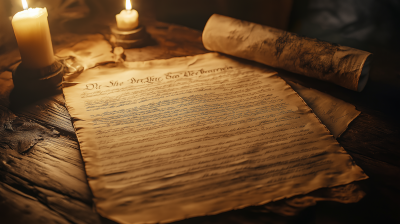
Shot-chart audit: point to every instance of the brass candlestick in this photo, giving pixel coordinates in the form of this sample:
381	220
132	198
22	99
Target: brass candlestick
137	37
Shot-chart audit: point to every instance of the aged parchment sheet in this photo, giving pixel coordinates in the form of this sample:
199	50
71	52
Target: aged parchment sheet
170	139
344	66
334	113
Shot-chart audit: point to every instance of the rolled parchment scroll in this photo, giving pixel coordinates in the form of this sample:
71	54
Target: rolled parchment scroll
344	66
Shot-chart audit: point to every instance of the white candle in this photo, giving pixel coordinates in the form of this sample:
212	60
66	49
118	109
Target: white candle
32	32
128	19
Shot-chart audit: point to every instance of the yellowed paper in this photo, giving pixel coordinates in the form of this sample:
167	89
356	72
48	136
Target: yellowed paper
93	50
344	66
171	139
335	114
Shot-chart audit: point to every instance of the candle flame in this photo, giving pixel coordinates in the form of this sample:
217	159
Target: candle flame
128	5
24	4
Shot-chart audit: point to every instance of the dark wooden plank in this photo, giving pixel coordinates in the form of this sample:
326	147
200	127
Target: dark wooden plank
17	207
70	209
46	168
380	173
52	163
49	112
372	136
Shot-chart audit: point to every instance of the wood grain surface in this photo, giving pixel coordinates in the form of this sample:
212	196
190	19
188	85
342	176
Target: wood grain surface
42	177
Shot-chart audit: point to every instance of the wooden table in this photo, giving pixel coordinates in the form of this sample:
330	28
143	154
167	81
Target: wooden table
42	177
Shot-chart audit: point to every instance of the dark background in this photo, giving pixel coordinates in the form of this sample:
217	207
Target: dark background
363	24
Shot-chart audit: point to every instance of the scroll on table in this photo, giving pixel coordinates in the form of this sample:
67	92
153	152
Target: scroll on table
165	140
344	66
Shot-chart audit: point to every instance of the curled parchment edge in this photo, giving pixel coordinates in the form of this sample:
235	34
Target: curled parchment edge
344	66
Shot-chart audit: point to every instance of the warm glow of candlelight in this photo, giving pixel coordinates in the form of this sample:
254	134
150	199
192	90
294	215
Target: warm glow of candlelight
128	5
128	19
24	4
32	32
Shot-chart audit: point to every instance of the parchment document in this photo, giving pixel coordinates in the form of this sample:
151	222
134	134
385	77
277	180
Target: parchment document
344	66
171	139
334	113
94	50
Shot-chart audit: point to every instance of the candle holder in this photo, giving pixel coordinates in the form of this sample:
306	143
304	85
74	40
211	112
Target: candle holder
31	84
137	37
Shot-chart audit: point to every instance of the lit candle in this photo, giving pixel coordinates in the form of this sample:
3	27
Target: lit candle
32	32
128	19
